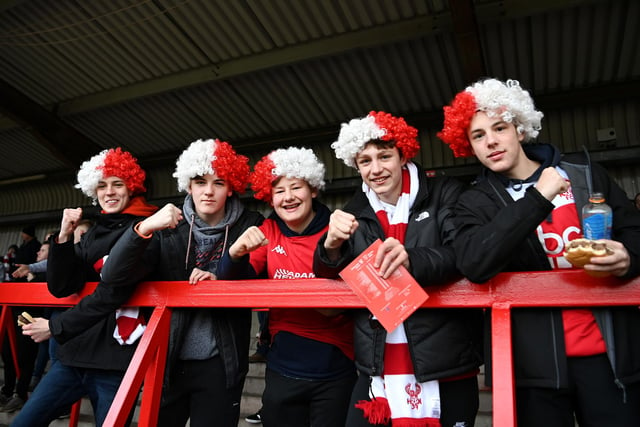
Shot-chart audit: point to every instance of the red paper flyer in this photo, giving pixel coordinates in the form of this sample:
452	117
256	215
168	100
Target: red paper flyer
390	300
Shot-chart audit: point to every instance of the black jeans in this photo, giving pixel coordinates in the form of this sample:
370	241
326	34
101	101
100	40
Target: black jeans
291	402
592	396
27	354
197	392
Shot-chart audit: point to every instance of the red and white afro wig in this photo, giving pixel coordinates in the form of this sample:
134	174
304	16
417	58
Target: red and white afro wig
112	162
375	126
290	162
506	100
212	157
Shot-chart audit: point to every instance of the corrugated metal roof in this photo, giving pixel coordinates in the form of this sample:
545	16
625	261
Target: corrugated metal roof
152	76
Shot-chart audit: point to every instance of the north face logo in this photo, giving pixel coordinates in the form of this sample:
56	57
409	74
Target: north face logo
280	250
422	215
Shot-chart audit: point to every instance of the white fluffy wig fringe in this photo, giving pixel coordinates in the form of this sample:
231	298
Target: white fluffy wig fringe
196	160
354	136
300	163
90	174
510	102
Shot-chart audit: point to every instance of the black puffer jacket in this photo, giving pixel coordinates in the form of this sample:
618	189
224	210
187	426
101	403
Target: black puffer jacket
443	343
69	267
135	259
487	213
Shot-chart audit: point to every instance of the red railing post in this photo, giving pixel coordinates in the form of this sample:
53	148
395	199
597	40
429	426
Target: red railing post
74	414
504	414
148	361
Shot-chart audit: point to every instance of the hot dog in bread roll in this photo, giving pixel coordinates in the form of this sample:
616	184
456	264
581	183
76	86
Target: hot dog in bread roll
580	251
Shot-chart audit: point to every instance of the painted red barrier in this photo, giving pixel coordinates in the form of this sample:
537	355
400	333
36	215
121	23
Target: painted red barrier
505	291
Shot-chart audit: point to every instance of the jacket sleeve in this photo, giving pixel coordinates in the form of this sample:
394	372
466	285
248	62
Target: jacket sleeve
489	234
38	267
102	302
324	267
241	269
131	260
126	266
626	219
235	270
65	270
437	264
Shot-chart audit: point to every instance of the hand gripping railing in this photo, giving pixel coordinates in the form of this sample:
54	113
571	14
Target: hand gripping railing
500	294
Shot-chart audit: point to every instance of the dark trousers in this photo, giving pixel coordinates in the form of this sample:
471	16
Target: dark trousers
197	392
27	353
592	397
291	402
459	403
264	340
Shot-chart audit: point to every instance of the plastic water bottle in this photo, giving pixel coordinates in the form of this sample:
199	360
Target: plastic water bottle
596	218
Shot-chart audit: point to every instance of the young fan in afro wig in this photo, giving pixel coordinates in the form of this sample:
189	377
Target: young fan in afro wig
506	100
376	126
108	163
289	162
212	157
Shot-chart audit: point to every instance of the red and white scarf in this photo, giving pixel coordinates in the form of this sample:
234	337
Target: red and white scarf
130	323
397	396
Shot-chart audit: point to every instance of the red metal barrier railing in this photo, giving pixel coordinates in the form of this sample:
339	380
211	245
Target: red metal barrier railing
503	292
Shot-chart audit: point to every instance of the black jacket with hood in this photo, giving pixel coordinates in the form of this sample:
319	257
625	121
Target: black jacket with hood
496	234
69	267
443	342
170	255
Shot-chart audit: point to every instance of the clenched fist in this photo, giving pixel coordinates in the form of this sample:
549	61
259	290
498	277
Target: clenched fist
167	217
551	183
70	218
252	239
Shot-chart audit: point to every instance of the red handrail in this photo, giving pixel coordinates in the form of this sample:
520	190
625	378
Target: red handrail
503	292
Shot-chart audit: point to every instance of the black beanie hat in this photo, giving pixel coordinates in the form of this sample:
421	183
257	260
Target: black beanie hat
29	230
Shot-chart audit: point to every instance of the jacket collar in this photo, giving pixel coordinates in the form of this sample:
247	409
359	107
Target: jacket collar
545	154
360	207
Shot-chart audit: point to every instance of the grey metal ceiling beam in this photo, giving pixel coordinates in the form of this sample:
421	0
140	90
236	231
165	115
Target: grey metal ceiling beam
434	119
8	4
467	35
377	36
589	95
63	141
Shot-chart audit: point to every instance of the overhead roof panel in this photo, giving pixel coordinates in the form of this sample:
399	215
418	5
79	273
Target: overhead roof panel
588	45
154	75
23	154
145	127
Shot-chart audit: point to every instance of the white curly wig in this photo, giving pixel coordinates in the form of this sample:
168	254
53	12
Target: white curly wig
111	162
90	174
291	162
509	101
196	160
354	136
300	163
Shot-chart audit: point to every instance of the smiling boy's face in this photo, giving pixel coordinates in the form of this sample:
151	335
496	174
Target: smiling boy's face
113	195
292	200
381	169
